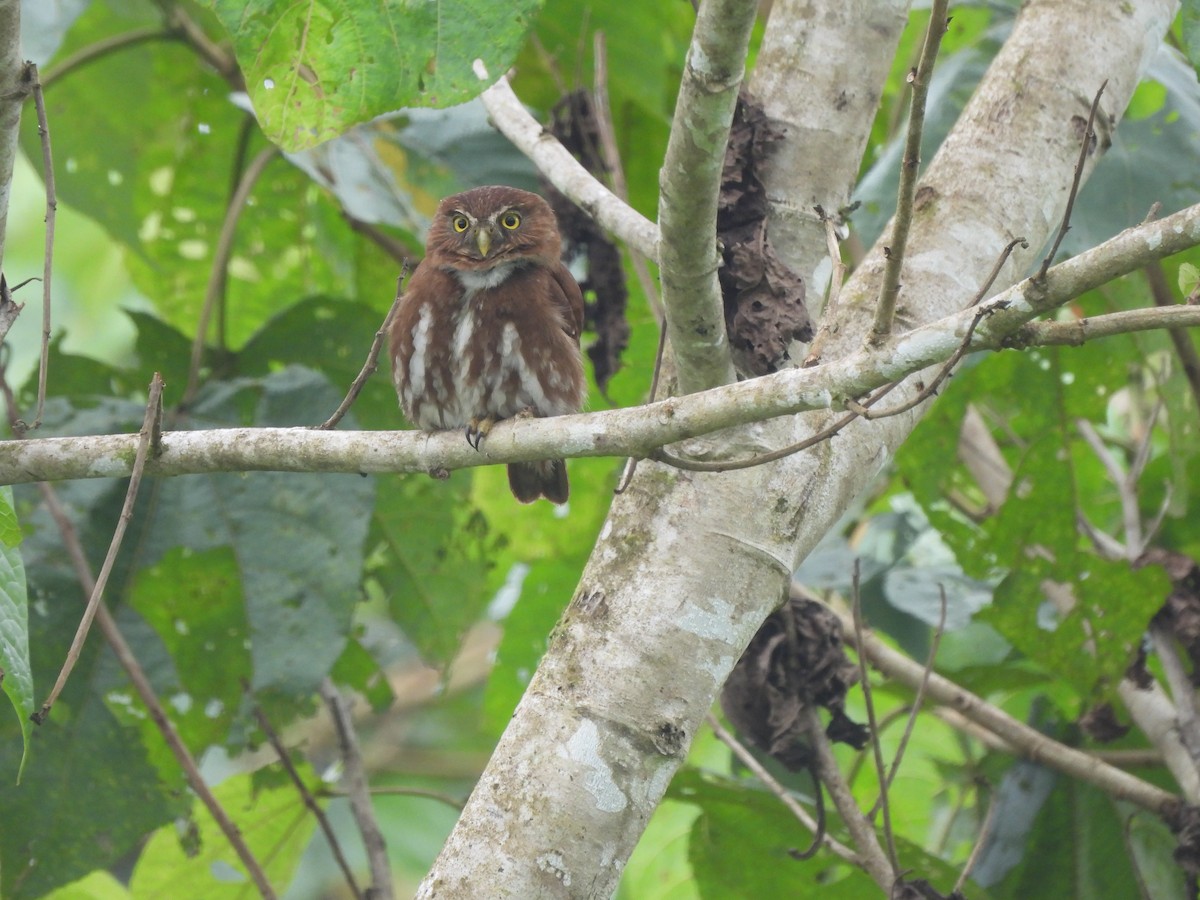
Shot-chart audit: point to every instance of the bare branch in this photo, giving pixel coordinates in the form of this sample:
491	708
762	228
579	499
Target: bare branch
141	684
1080	331
873	725
48	253
910	166
1185	349
372	362
817	826
360	798
215	291
146	441
1027	741
1087	148
873	859
563	170
689	185
306	795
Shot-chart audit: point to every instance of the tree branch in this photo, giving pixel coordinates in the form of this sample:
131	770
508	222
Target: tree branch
639	430
1028	742
563	170
910	164
689	184
13	91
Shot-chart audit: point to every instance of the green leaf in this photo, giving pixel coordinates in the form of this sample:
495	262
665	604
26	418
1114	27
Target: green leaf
658	868
1189	15
548	545
193	601
1151	845
1076	849
315	69
99	885
1189	278
435	560
16	674
331	336
274	823
740	845
297	538
87	798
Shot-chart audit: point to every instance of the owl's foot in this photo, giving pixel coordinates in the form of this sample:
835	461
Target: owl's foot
478	428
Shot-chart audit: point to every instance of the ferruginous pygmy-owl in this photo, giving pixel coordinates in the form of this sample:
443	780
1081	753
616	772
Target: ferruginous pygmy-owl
489	326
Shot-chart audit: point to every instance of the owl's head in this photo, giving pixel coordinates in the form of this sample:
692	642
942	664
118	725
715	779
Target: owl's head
491	226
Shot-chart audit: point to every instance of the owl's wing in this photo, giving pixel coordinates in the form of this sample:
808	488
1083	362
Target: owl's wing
568	300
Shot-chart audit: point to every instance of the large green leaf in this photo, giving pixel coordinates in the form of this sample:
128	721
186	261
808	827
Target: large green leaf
316	68
274	822
540	564
160	183
434	560
1076	849
297	539
87	798
17	675
193	601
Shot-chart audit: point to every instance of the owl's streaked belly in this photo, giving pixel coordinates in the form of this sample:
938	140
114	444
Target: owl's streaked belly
496	374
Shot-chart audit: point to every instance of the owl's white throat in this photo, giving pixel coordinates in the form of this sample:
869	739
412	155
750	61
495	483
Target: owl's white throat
483	279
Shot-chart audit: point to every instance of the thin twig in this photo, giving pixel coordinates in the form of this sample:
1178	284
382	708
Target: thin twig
829	315
885	311
980	841
39	103
857	410
102	48
995	273
146	441
631	463
372	362
360	798
816	826
1024	740
872	858
403	791
917	701
873	724
215	290
305	794
1126	489
612	161
141	684
393	247
1089	135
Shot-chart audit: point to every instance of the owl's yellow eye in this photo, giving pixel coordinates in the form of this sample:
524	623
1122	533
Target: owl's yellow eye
460	223
510	220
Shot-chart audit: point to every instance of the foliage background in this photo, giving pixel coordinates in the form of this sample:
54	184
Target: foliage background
434	600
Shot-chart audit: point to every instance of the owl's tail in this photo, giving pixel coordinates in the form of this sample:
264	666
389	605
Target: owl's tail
546	478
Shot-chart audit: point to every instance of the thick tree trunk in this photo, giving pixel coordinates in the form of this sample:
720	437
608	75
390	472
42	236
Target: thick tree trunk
688	565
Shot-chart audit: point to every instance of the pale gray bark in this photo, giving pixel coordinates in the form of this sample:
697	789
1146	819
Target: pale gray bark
13	91
689	182
688	565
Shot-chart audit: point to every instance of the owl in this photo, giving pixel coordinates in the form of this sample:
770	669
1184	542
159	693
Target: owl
489	327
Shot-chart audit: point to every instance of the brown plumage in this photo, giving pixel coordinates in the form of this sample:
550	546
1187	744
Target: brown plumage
489	327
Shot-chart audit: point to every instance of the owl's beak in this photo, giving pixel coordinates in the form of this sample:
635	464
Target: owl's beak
483	240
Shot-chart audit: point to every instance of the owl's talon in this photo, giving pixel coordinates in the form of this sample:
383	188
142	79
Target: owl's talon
478	428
